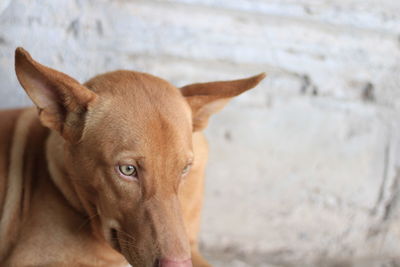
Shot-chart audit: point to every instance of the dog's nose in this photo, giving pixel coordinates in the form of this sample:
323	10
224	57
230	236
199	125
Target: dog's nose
174	263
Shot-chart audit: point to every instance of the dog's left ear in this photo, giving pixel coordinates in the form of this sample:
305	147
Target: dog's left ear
206	99
61	100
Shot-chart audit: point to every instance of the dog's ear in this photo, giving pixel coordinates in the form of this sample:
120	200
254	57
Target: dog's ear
62	101
206	99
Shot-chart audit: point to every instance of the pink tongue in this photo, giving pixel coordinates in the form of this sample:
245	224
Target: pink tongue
171	263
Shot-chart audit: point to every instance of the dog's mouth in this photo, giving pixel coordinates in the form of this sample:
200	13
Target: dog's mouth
114	240
117	246
157	263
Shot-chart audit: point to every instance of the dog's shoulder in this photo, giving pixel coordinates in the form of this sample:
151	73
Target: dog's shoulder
21	134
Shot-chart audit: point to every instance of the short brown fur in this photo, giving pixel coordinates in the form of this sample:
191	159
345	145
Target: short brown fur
63	199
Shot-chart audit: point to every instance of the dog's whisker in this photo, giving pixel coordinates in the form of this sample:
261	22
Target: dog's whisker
126	234
87	221
125	241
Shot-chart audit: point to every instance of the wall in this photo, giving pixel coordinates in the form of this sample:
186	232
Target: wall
304	167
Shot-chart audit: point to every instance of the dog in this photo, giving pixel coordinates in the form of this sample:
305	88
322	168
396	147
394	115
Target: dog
105	173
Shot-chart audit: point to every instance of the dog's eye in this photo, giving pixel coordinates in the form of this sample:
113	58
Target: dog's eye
186	169
128	170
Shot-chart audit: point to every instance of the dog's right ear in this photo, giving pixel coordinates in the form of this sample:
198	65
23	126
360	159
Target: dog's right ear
206	99
62	101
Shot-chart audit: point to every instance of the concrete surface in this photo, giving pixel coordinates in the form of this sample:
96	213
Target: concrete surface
306	167
232	257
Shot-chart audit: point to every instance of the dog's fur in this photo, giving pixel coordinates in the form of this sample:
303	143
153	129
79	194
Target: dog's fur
63	201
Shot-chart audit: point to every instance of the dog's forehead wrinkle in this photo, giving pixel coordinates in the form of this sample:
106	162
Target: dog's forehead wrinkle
158	137
138	97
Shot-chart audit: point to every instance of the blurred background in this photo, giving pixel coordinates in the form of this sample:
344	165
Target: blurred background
304	170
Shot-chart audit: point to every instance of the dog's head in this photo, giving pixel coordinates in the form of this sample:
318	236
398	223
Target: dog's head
127	149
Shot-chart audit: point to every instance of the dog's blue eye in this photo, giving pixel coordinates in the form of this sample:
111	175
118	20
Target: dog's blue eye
128	170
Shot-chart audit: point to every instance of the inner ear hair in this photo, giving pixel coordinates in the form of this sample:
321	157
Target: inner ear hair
206	99
60	99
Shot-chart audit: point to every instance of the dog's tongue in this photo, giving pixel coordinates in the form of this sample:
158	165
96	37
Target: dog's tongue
170	263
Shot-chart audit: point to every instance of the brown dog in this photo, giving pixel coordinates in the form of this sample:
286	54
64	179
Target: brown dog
115	175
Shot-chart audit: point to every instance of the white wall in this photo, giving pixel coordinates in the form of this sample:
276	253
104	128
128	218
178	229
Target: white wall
305	166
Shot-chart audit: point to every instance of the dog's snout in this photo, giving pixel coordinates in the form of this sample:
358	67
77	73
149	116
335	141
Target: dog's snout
175	263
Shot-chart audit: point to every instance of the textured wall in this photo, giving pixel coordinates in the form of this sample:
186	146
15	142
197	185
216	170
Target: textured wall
304	167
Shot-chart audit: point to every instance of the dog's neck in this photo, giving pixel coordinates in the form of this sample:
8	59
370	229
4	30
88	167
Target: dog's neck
63	181
58	171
